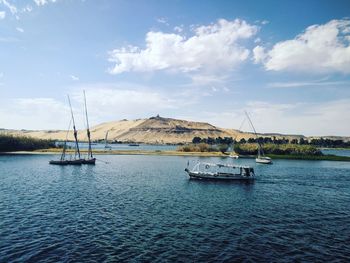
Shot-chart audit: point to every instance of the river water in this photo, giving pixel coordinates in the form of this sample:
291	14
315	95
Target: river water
145	209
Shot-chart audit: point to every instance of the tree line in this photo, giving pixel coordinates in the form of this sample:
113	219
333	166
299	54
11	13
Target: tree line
9	143
321	142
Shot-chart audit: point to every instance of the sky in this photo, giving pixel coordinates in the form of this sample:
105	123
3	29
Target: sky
287	63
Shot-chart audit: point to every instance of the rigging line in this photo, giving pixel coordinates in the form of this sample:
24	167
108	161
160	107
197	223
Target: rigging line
65	142
86	114
75	131
260	149
240	127
251	124
87	127
70	122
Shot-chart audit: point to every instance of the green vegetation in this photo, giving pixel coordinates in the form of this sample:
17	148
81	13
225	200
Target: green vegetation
211	141
10	143
282	149
203	147
321	142
309	157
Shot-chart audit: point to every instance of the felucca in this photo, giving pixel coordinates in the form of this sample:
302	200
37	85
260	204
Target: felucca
261	158
72	161
90	159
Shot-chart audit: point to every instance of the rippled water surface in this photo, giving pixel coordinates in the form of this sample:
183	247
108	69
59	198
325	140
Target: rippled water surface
144	208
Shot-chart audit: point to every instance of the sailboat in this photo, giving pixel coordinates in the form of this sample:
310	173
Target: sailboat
106	142
233	155
261	158
90	159
63	160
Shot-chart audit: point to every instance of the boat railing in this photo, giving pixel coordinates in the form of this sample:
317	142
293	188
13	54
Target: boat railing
205	165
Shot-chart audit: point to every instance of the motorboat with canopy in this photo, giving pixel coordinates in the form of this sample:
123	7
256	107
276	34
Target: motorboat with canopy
218	171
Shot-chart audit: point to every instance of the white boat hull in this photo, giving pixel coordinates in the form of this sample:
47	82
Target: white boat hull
216	176
265	160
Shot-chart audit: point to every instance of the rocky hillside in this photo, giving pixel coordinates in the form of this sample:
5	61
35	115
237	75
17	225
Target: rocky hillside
153	130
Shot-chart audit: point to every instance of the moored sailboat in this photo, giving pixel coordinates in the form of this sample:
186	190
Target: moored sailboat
107	146
261	158
90	159
63	160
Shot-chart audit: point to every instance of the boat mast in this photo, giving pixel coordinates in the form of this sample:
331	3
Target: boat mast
260	151
63	155
75	131
106	139
87	127
235	139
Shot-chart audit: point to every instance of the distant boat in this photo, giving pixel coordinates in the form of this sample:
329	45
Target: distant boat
77	159
233	155
261	158
213	171
106	142
134	144
90	159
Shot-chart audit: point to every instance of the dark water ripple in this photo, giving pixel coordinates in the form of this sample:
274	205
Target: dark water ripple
143	208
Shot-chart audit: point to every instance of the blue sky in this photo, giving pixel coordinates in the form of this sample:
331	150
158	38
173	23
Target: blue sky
286	62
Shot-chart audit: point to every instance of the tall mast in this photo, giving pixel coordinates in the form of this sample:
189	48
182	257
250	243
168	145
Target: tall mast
256	135
87	127
106	139
63	155
75	131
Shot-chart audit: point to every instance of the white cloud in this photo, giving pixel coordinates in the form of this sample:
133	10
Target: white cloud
27	9
34	113
11	7
109	103
19	29
212	48
75	78
320	49
259	54
178	29
43	2
106	102
162	20
322	118
318	118
2	15
317	83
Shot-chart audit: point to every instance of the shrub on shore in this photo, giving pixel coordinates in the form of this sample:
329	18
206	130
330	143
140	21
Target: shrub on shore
282	149
252	149
9	143
198	147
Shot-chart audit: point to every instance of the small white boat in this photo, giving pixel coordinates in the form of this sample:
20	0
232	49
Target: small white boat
107	146
234	156
213	171
261	156
263	160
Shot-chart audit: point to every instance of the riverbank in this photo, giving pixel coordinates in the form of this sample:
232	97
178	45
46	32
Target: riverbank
178	153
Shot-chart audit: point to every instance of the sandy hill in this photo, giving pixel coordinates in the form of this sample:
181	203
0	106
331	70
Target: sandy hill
153	130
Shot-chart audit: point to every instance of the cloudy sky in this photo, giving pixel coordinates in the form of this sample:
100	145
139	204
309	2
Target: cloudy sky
286	62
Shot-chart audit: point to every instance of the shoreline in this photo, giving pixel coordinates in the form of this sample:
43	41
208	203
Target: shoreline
177	153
